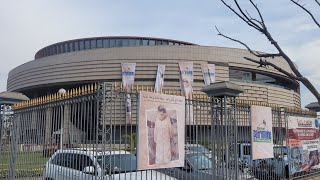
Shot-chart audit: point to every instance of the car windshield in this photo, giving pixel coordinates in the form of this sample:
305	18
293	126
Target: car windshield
199	161
199	149
119	163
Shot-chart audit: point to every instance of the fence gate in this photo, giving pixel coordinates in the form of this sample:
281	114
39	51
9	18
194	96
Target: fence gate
90	132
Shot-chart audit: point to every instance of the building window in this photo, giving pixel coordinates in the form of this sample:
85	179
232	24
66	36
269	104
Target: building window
158	42
105	43
62	48
76	46
99	43
164	42
170	43
93	44
152	42
66	47
87	44
132	42
125	42
57	49
118	42
112	43
71	46
81	45
145	42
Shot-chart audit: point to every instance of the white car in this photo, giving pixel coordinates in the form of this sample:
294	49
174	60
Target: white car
83	164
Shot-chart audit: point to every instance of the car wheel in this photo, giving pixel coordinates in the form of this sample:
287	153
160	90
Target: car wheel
49	179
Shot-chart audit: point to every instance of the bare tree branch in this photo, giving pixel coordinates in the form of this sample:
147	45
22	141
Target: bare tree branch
263	29
305	81
307	11
257	54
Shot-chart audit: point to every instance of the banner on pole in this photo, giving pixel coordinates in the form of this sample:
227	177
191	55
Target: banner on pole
160	79
161	131
209	73
128	73
186	85
261	132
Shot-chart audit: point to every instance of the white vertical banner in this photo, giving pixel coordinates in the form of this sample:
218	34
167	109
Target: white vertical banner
186	85
128	73
160	79
261	132
209	73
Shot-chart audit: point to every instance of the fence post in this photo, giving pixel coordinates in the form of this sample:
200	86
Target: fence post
225	135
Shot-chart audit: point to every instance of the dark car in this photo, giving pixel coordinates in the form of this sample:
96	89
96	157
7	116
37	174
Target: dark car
197	167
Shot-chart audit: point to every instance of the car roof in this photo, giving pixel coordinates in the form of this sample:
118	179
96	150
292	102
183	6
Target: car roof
94	152
193	145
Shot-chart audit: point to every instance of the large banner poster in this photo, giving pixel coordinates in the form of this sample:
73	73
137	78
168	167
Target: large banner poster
209	73
128	73
186	85
261	132
160	79
161	131
303	140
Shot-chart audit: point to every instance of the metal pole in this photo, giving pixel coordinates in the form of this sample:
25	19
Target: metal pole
226	134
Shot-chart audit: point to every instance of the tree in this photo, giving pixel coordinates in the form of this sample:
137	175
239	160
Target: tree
263	60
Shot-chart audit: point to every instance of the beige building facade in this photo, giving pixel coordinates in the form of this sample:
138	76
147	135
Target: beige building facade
67	65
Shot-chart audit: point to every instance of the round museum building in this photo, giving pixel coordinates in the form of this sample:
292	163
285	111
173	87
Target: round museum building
77	62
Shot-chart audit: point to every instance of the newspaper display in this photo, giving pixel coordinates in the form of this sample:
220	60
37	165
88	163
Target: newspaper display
161	131
303	142
186	85
160	79
209	73
128	73
261	132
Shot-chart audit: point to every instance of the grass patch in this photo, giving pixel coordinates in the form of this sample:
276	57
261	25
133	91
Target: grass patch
27	164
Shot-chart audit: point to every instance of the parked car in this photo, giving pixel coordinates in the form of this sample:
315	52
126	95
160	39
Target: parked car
198	148
197	167
82	164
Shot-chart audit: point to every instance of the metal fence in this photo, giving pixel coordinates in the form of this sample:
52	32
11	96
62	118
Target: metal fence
83	134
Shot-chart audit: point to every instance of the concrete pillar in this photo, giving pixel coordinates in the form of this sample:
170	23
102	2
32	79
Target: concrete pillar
48	130
66	124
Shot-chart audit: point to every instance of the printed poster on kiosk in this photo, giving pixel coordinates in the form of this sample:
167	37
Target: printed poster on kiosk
161	133
261	132
303	142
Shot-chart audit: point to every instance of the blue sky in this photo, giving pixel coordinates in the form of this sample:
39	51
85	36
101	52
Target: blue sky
27	26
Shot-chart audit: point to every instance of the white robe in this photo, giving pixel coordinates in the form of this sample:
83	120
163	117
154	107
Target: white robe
162	135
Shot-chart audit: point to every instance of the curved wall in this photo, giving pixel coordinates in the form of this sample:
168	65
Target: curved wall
104	64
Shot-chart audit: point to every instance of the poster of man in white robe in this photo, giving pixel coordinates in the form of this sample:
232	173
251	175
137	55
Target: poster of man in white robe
209	73
161	131
186	85
128	73
159	79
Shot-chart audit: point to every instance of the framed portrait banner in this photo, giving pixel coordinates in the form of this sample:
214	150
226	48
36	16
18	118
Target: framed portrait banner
303	142
161	131
261	132
128	73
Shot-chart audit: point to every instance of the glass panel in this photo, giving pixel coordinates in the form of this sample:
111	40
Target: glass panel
81	45
87	44
112	43
93	44
138	42
176	43
76	46
152	42
99	43
170	43
61	48
105	43
125	42
164	42
118	42
240	75
57	49
71	46
66	47
158	42
145	42
53	49
265	79
132	42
